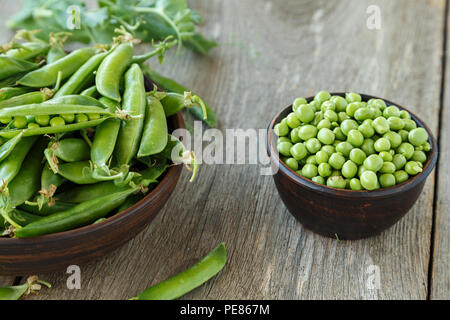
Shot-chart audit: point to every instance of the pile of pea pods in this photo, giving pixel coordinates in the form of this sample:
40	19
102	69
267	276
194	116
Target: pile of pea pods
81	139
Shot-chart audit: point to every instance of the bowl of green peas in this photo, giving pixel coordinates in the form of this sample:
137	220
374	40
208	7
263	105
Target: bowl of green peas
349	165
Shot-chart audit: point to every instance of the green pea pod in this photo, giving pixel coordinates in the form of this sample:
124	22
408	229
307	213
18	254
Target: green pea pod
28	50
10	92
11	66
8	134
134	103
27	183
90	92
48	74
10	167
50	181
78	100
189	279
174	103
111	70
27	98
50	109
8	146
71	150
12	80
80	172
46	209
82	76
155	136
32	285
23	218
172	86
89	192
83	214
55	53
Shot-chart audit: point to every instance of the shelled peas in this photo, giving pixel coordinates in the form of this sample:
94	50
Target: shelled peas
347	143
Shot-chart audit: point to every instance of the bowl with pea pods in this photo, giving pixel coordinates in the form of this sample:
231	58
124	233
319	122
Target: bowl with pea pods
347	165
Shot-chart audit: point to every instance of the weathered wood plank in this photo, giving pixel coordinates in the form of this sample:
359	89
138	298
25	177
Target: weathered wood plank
271	52
440	284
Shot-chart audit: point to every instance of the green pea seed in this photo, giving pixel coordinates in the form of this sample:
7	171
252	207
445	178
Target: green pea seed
337	160
401	176
309	171
355	184
373	163
369	180
387	180
42	120
292	164
337	182
57	122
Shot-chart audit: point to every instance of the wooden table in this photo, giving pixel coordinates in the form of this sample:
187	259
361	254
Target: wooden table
271	52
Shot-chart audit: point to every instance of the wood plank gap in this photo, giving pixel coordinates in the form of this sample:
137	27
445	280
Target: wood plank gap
439	131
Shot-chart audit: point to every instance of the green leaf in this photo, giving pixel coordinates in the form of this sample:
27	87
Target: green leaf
198	43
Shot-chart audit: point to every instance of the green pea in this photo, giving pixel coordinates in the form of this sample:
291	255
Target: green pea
353	97
326	136
298	102
352	107
350	169
362	114
328	106
382	144
427	147
391	111
325	123
357	156
81	117
386	156
331	115
42	120
313	145
355	138
315	105
368	147
394	138
294	136
322	96
373	163
399	161
340	103
405	114
343	116
33	125
396	123
404	135
305	113
381	125
338	133
312	160
5	120
337	182
284	148
369	180
292	121
281	129
387	180
292	164
325	170
319	180
307	132
318	117
322	157
298	151
401	176
345	148
388	167
355	184
69	118
283	139
378	103
419	156
406	149
337	160
409	124
309	171
20	122
57	122
349	125
367	130
413	168
418	137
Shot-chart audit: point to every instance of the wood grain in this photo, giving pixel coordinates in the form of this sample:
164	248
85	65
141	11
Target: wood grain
270	53
440	285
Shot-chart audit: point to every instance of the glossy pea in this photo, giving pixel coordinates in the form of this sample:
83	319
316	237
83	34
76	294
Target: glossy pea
387	180
401	176
337	182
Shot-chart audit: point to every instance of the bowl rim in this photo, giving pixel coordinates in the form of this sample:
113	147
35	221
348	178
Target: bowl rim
177	122
384	192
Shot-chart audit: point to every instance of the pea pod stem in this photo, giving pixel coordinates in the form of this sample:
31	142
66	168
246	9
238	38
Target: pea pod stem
189	279
32	285
160	50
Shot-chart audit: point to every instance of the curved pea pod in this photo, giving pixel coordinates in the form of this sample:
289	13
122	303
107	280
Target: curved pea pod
28	50
82	214
90	92
32	285
134	103
155	136
9	146
174	102
189	279
27	98
11	66
77	172
10	133
46	209
82	76
10	167
50	181
23	218
12	80
111	70
10	92
48	74
51	109
71	150
172	86
27	183
105	139
76	99
55	53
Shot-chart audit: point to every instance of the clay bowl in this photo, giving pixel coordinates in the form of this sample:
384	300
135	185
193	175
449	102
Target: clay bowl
346	214
55	252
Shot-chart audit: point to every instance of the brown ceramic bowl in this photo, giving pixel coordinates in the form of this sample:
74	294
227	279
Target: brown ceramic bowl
55	252
346	214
